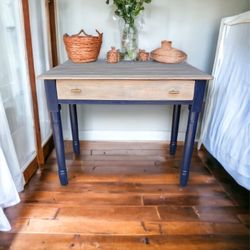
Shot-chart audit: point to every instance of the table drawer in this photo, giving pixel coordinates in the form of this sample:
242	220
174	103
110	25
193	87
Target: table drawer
125	90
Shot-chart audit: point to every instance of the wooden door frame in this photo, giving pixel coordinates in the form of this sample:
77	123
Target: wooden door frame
52	30
42	151
32	80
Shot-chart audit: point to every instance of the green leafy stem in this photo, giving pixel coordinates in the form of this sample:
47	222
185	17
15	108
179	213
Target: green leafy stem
128	10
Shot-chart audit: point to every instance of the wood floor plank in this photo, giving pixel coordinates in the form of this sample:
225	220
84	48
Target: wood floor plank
85	227
171	161
51	163
23	210
134	152
187	200
85	145
171	178
211	189
160	158
200	228
219	214
118	169
245	219
127	196
125	228
67	198
109	213
204	213
79	242
177	213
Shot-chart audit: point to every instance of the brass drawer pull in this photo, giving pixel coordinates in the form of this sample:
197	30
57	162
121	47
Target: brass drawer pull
76	91
174	92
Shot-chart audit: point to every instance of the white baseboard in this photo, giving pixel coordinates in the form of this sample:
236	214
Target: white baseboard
98	135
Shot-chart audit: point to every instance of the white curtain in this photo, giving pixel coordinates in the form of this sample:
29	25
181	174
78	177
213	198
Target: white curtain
14	82
11	179
226	127
17	142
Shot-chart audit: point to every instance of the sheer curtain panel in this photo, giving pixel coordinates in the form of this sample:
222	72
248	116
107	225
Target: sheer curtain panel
8	194
14	83
17	141
11	178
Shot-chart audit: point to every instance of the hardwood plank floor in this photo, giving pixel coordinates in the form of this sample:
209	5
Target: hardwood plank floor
126	195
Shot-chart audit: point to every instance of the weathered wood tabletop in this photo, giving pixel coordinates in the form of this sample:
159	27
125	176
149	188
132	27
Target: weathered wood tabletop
125	70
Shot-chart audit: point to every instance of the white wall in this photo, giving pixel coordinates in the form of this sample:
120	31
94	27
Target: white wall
193	27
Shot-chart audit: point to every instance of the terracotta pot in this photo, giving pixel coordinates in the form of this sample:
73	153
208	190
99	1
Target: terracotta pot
167	54
113	56
143	56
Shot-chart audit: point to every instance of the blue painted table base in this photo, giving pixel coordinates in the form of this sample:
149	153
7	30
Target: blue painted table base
194	109
193	116
175	128
54	107
74	128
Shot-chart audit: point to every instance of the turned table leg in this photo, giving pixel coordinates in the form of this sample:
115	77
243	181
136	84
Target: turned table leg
175	128
74	128
194	111
58	140
54	109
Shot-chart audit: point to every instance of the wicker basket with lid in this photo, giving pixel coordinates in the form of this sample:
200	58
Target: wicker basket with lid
83	48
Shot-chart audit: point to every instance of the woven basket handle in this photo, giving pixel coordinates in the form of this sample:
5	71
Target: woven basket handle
99	33
82	31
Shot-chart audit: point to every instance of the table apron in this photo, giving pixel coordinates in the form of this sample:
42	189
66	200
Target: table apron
122	102
126	90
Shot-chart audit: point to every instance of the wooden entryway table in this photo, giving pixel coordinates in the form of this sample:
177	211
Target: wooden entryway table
125	83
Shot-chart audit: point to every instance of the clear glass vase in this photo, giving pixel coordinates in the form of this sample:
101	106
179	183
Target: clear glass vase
129	41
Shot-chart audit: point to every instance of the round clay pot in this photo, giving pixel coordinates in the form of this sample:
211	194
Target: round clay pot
113	56
143	56
167	54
